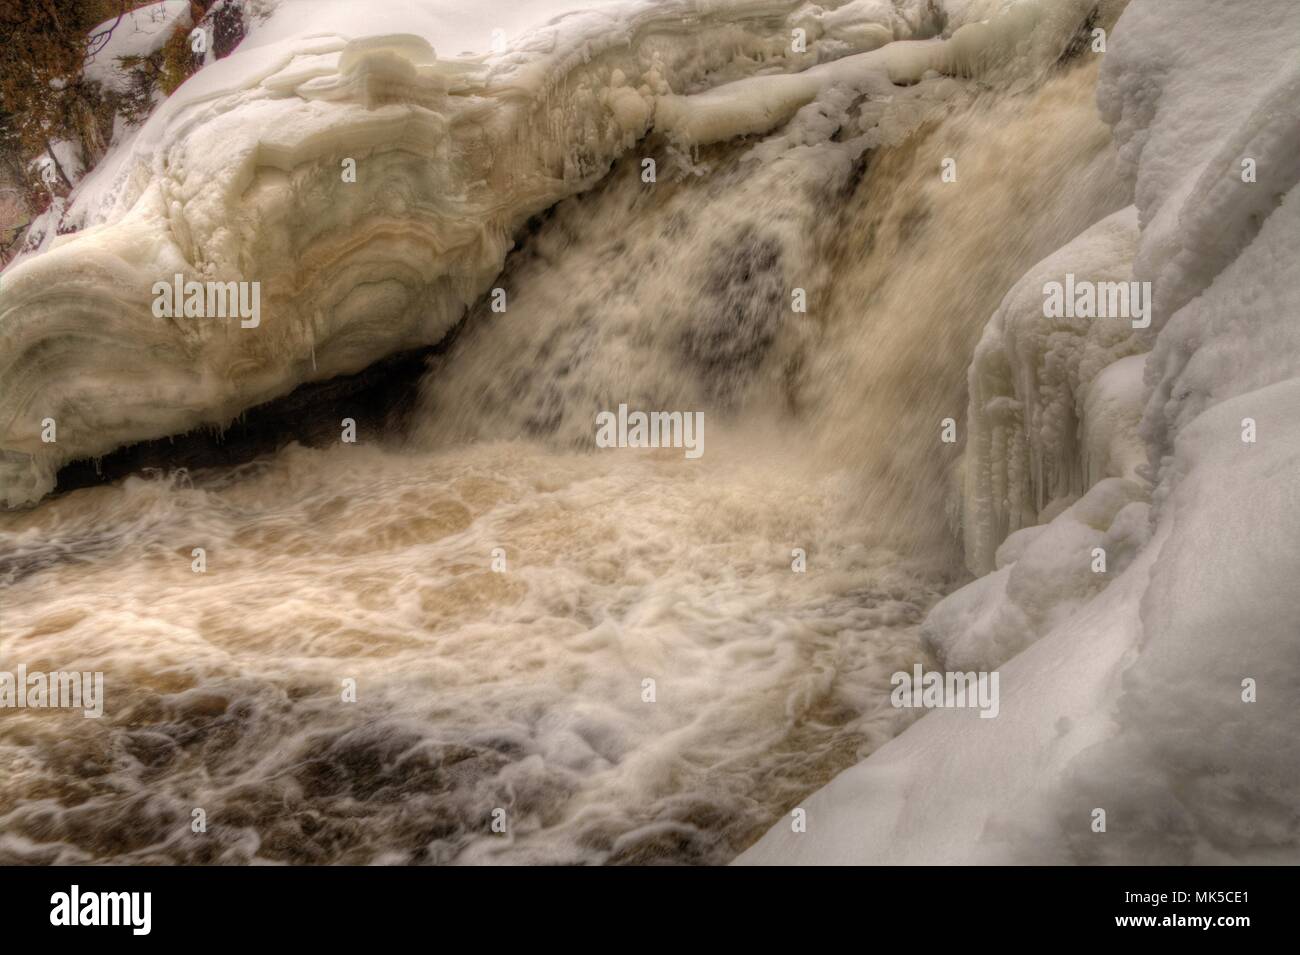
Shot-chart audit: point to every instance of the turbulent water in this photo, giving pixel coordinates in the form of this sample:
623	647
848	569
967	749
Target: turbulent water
523	687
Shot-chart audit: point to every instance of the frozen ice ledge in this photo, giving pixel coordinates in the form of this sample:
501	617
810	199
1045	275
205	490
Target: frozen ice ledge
242	177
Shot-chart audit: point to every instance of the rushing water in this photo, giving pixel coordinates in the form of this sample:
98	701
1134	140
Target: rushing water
525	690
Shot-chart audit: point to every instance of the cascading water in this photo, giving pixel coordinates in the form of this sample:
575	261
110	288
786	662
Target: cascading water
529	690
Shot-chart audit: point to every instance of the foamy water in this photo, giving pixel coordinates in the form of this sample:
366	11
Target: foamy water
524	688
477	690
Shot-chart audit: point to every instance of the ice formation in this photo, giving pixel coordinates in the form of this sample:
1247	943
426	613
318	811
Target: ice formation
1032	440
1130	694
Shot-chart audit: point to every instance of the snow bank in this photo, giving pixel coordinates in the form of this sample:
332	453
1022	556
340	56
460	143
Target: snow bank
1166	699
1045	574
1186	140
1188	143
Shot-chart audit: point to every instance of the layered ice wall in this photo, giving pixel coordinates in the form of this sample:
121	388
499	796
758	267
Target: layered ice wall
1162	690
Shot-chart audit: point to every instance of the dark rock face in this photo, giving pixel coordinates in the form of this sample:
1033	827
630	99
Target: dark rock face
744	303
227	21
378	399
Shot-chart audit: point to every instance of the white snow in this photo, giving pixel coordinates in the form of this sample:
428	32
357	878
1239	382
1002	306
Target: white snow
1190	97
453	29
140	32
69	160
1131	697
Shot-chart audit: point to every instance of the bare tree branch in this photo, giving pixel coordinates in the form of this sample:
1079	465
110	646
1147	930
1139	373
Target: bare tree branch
97	41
